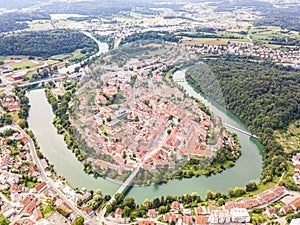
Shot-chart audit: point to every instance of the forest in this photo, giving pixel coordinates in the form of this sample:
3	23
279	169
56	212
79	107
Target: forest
263	95
284	21
46	43
150	35
16	20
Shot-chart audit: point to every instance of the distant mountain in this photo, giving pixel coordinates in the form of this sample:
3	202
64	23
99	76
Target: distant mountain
19	4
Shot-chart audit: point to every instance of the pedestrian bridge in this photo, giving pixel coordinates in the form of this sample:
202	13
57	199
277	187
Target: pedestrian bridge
240	130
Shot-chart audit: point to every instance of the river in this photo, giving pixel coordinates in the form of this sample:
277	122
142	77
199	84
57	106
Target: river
248	166
103	47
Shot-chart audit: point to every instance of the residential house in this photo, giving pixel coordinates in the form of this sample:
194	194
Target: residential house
295	204
219	216
240	215
146	222
296	178
187	220
176	205
33	171
13	179
86	197
285	209
37	214
64	207
296	159
172	217
88	211
4	177
200	210
30	207
187	212
211	208
295	222
6	161
40	187
152	213
118	213
201	220
44	164
297	167
271	212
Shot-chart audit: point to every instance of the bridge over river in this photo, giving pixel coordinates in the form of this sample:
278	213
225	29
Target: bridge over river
240	130
46	80
121	190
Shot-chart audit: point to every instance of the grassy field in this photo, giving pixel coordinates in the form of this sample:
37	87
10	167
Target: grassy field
264	34
290	139
22	64
40	26
212	41
161	50
61	56
47	210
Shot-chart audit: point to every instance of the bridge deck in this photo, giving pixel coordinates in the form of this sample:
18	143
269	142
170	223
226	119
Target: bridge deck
240	130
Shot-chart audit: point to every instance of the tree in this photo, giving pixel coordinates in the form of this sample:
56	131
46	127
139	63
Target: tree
3	220
126	211
147	204
119	198
210	195
231	193
23	123
129	201
79	220
220	202
239	191
251	186
109	208
156	203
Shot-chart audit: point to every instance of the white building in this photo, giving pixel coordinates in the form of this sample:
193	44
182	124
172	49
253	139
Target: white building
295	222
219	217
240	215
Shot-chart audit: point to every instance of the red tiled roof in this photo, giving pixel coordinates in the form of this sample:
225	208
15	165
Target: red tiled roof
296	203
201	220
25	200
40	186
175	205
118	211
37	214
30	207
146	222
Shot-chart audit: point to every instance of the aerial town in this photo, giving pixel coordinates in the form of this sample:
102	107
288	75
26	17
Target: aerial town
135	125
141	120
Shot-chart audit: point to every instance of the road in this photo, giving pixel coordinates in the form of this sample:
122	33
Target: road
50	182
48	79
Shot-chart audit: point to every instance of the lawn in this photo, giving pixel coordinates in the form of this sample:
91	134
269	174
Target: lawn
160	51
22	64
289	139
46	210
213	41
61	56
14	116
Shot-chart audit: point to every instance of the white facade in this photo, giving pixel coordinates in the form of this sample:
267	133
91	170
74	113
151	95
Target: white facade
240	215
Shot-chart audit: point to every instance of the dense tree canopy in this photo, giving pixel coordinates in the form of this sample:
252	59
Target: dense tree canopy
45	43
265	96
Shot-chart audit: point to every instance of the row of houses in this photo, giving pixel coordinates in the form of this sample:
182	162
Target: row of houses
225	216
296	163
